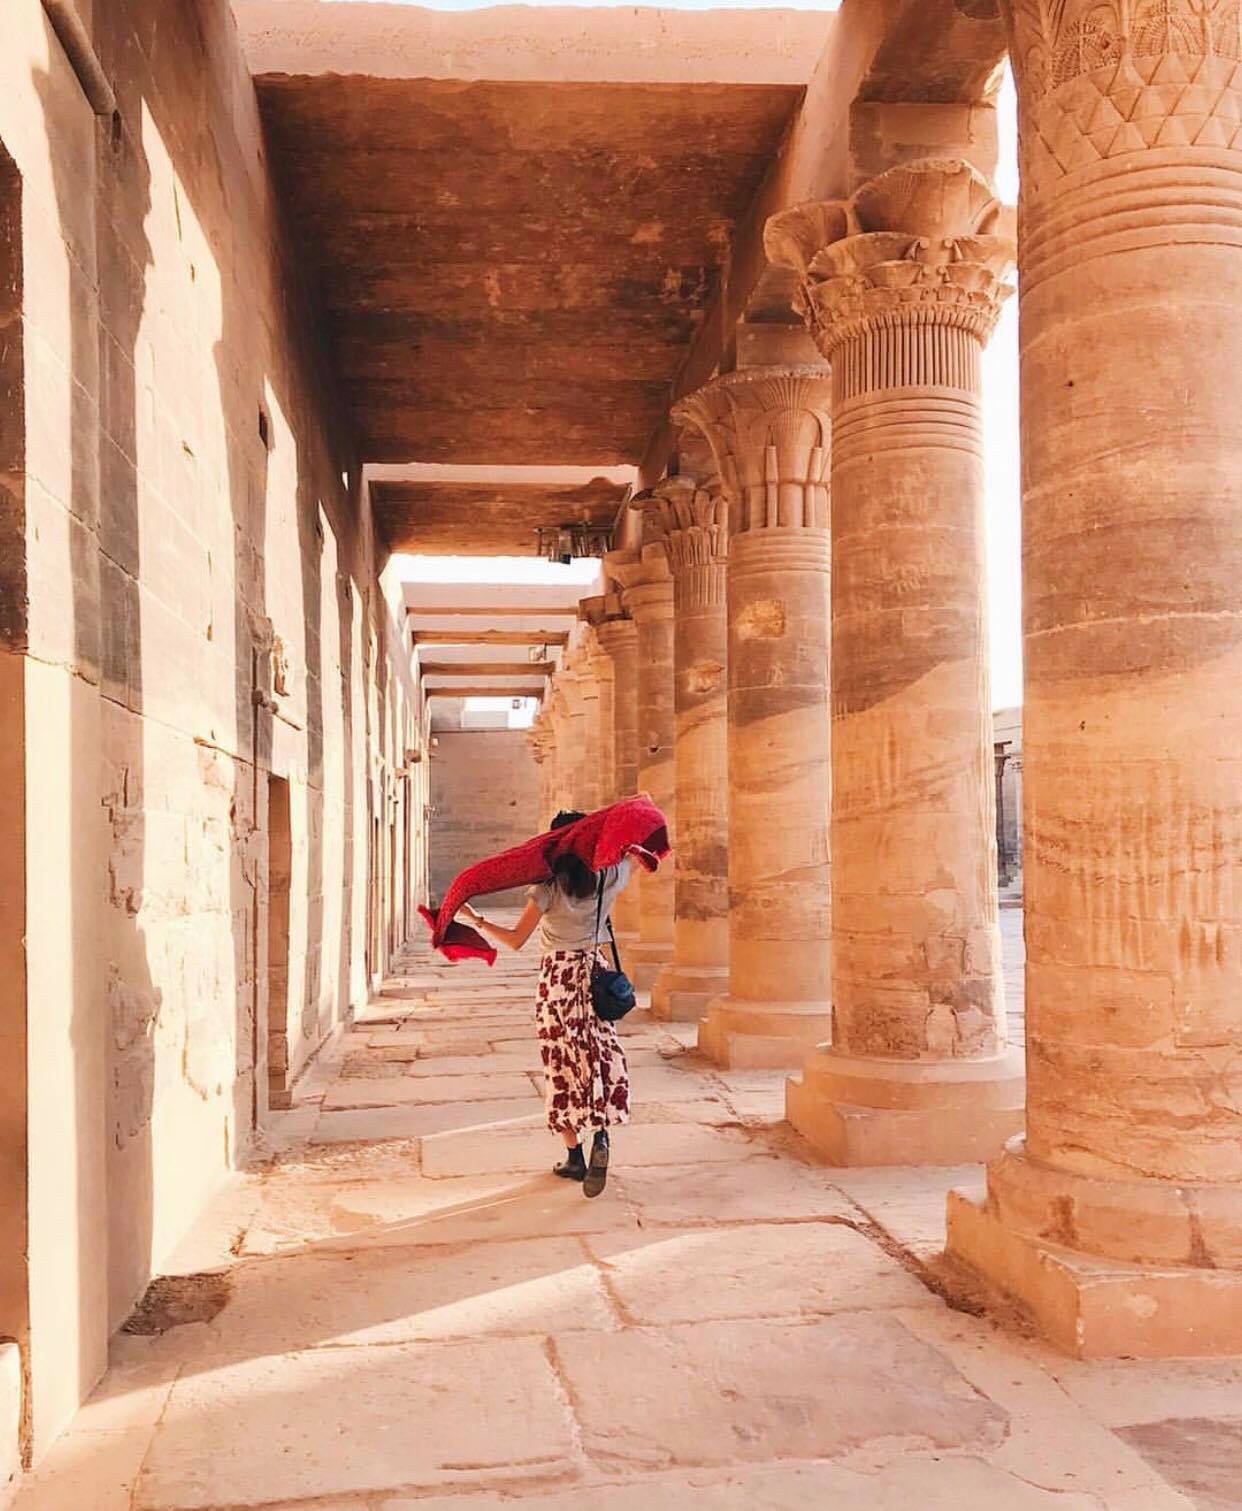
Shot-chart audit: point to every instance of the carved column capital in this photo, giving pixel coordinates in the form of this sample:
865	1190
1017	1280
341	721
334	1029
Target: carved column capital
925	244
769	430
646	581
689	519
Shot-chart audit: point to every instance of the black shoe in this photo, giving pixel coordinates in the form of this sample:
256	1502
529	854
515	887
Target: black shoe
597	1170
573	1166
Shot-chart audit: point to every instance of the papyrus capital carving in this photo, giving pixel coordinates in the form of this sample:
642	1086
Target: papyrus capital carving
925	244
769	429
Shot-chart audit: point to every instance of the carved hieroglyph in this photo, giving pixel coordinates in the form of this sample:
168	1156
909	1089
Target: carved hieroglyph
769	431
647	593
1131	330
900	286
689	520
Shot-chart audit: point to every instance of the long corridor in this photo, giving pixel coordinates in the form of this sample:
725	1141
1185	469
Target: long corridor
401	1310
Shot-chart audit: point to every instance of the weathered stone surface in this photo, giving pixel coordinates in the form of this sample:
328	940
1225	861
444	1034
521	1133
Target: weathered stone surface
1131	874
745	1190
382	1294
913	813
647	593
690	520
505	1149
407	1122
940	1483
427	1090
472	1412
809	1269
732	1392
769	433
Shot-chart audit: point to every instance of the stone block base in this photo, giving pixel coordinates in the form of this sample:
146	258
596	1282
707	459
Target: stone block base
858	1111
1097	1308
682	993
644	962
740	1035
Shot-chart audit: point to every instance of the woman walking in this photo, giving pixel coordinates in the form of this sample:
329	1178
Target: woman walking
586	1078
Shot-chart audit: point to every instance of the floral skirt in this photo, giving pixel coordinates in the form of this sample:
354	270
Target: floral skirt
586	1079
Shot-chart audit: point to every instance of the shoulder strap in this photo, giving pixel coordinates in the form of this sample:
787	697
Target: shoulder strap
599	913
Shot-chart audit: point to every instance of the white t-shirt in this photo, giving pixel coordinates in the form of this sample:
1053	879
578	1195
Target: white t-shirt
569	922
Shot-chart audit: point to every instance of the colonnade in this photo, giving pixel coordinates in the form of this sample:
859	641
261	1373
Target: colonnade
856	939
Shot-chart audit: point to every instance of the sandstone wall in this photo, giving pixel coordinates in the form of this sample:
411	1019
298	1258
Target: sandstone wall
485	797
190	616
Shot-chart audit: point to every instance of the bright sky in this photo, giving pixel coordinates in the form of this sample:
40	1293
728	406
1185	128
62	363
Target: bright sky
1000	379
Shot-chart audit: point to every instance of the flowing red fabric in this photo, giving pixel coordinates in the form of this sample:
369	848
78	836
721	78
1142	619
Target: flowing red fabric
634	827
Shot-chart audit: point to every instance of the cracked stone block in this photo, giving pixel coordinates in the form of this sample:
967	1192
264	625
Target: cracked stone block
731	1392
330	1421
808	1268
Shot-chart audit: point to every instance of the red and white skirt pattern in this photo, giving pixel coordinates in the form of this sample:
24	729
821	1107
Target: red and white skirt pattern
586	1078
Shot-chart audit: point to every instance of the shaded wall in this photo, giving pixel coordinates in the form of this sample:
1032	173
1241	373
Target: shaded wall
484	798
196	583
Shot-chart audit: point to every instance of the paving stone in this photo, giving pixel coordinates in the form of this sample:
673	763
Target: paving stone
1051	1441
943	1483
1200	1455
339	1421
737	1391
446	1066
744	1190
705	1110
807	1268
426	1089
409	1210
409	1122
87	1471
639	1144
382	1295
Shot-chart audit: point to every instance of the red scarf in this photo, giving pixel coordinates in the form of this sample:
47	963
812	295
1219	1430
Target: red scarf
634	827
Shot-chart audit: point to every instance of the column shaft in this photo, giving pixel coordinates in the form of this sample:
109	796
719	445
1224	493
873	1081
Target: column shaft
768	428
1120	1221
900	289
619	639
648	596
691	522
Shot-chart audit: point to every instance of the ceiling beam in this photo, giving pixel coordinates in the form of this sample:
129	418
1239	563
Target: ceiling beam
490	637
484	691
501	611
917	51
478	669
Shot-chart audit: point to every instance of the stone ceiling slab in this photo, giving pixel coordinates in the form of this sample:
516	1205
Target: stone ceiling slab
514	220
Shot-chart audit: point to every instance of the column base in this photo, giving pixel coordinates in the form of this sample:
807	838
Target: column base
682	993
739	1035
644	962
1094	1308
1108	1267
854	1110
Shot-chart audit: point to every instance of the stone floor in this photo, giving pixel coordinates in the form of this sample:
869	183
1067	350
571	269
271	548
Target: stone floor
401	1310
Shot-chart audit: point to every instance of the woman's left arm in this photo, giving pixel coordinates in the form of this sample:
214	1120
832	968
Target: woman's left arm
515	937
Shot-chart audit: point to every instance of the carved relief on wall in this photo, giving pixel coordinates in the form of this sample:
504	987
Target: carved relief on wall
1097	80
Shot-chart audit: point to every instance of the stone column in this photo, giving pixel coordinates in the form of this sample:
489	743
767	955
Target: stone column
564	774
769	429
692	523
599	664
1119	1221
900	287
542	748
647	592
618	638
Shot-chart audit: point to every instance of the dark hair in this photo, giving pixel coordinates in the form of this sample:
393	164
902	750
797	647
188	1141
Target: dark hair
574	877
